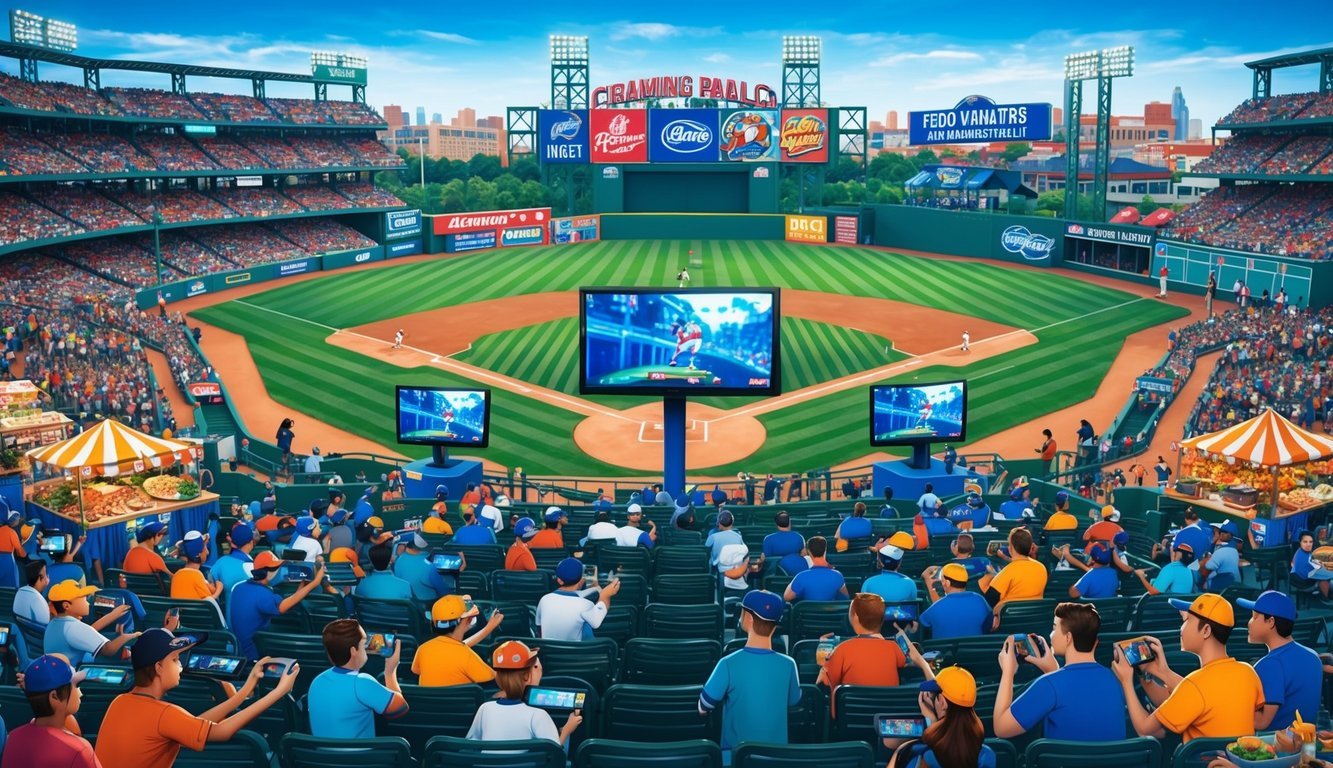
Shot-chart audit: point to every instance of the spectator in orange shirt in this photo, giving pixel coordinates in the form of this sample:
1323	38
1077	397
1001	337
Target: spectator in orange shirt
519	557
552	536
189	583
1106	529
867	659
471	498
140	730
11	547
435	522
143	557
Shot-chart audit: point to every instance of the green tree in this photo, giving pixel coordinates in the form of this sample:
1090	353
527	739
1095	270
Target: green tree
1053	201
1015	150
486	167
925	157
1147	205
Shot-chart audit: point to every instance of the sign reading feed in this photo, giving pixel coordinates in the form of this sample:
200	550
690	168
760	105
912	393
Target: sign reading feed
979	120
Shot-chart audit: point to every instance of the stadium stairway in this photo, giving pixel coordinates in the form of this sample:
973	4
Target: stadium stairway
217	420
1134	423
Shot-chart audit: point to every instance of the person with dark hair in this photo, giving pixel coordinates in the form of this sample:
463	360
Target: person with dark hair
755	685
820	581
1307	572
189	583
1023	578
30	599
1081	701
11	545
888	510
785	545
954	736
1047	451
1220	699
141	730
343	700
143	558
52	738
602	528
1101	579
381	583
284	438
253	604
854	527
509	718
413	566
956	612
1291	674
964	550
1087	440
723	536
1175	578
68	635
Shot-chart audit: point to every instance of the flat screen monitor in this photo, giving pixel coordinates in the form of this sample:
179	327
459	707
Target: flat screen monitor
913	414
444	416
706	341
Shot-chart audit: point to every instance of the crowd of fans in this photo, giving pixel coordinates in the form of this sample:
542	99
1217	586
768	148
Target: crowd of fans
248	244
21	219
230	154
174	205
23	154
1287	106
321	236
54	97
1242	154
1299	156
1286	221
151	102
234	108
87	207
175	153
367	195
256	201
38	279
316	197
185	254
372	152
118	258
101	152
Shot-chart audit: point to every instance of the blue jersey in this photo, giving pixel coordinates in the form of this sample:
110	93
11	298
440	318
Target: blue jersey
1082	702
1175	579
1292	676
1101	581
783	543
252	606
343	704
819	583
959	614
894	587
855	528
754	687
474	534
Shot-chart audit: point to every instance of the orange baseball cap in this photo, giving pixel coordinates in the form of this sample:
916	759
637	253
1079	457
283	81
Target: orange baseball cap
68	589
348	555
451	608
266	560
954	572
513	654
1208	606
955	684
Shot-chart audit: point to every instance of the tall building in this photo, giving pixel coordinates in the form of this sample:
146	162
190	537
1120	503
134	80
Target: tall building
421	115
1196	129
466	118
1181	114
435	117
463	138
394	116
893	120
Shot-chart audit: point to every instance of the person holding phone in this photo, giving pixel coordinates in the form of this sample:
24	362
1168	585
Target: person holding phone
957	612
68	635
448	658
254	603
141	730
53	737
413	566
236	566
1081	701
510	717
567	613
867	659
1022	579
1220	699
381	583
889	584
1175	578
954	734
343	700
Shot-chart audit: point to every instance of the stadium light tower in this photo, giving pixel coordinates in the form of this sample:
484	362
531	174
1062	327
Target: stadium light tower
1102	66
800	70
40	32
569	72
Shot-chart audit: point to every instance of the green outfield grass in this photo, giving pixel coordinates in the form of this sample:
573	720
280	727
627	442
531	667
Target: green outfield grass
1080	327
547	354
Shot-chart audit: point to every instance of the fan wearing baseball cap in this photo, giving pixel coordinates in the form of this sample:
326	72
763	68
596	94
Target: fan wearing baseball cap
189	582
551	535
1291	674
509	717
567	613
954	735
519	557
11	545
448	658
755	685
1175	578
435	522
235	566
1101	578
253	604
957	612
889	584
413	566
66	633
140	730
343	700
1105	529
475	530
1220	699
1061	520
51	739
632	534
1221	569
143	558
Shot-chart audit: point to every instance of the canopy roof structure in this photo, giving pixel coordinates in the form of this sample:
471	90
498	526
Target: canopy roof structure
111	448
1268	440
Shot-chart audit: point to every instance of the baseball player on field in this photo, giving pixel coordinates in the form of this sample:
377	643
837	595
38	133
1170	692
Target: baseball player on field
689	336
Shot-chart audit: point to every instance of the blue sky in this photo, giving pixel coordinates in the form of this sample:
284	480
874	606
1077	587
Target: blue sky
884	56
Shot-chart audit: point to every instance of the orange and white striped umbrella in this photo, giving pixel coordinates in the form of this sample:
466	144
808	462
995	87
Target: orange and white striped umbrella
1267	439
111	448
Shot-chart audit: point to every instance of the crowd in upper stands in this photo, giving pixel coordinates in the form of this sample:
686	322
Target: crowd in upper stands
1285	221
321	236
1269	154
1287	106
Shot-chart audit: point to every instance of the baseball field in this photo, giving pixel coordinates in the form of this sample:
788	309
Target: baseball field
852	317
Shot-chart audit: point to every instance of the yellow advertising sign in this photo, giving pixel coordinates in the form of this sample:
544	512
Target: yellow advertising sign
807	229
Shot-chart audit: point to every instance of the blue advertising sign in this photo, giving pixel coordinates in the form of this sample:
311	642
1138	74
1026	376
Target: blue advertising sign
408	248
1155	384
402	224
979	120
533	235
682	135
298	267
472	241
749	135
1032	246
562	135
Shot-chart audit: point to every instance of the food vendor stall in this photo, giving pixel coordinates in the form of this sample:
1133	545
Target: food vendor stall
24	426
1266	470
116	478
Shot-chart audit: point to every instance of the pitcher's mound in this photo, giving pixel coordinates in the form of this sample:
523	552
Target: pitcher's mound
636	440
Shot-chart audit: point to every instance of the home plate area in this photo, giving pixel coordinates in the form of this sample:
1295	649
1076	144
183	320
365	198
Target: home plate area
696	431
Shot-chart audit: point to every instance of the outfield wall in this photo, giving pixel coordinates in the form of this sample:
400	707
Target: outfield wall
1032	240
678	226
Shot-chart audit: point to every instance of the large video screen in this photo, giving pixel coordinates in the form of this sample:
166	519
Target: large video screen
909	414
444	416
715	341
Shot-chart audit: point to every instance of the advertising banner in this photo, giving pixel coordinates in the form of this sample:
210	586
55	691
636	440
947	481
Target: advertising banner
206	392
352	258
847	229
1155	384
562	136
324	73
619	135
576	229
454	223
682	135
534	234
470	241
409	248
297	267
804	137
1032	246
979	120
1109	233
399	225
749	135
807	229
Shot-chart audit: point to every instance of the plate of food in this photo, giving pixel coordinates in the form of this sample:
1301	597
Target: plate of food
171	488
1259	752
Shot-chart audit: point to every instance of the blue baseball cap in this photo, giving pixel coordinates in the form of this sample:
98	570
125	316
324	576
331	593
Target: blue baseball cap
49	672
763	604
1271	603
194	545
1016	494
253	508
441	492
242	534
1121	540
553	514
569	571
317	506
305	525
1062	497
1227	527
1099	554
150	530
525	528
157	643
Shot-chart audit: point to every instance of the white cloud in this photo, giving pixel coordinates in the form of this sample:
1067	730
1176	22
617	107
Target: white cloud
717	58
448	37
942	54
655	31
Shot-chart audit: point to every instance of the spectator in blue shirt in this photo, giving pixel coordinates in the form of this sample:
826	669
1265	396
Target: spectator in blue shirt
929	503
1307	572
1222	567
888	510
889	584
413	566
723	536
1196	533
253	603
956	612
234	567
856	526
364	510
785	545
755	685
1291	674
1082	701
963	549
1175	578
771	486
474	531
954	737
820	581
1100	580
381	583
343	700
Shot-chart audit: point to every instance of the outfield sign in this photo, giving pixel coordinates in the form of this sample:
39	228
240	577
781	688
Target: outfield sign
749	135
1110	233
205	392
409	248
455	223
682	135
846	229
619	135
1155	384
1032	246
684	87
979	120
473	241
562	135
807	229
804	136
530	235
400	225
324	73
576	229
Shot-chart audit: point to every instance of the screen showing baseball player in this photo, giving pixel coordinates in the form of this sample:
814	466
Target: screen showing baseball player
715	341
902	414
439	416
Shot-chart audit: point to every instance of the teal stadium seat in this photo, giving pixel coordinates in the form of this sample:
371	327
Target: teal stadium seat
608	753
658	661
452	752
245	749
838	754
656	713
299	750
1142	752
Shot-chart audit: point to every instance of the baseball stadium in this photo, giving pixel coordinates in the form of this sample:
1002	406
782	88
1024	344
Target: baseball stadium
671	461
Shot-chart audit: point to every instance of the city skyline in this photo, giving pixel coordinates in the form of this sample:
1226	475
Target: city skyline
484	61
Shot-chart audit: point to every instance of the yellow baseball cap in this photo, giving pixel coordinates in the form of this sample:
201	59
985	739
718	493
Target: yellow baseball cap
1212	607
954	572
375	521
451	608
348	555
68	589
902	540
957	686
1110	513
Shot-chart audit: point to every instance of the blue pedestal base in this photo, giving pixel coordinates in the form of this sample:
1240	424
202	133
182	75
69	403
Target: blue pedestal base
909	483
421	477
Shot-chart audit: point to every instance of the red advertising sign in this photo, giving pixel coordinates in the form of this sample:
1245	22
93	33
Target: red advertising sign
846	229
804	136
619	135
477	221
206	392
